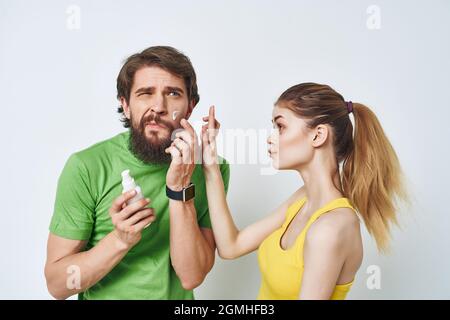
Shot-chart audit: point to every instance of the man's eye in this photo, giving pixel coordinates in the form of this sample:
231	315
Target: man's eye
174	93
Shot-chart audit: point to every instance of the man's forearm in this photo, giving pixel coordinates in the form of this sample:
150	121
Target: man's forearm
76	273
191	255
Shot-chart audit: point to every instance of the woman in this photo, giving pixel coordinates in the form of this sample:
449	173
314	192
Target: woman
311	247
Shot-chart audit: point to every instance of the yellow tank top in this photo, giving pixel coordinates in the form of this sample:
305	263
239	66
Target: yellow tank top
282	270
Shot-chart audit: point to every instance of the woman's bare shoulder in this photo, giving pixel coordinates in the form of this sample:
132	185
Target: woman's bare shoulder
340	226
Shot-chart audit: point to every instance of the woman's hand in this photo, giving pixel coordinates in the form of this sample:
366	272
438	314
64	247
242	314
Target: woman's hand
210	159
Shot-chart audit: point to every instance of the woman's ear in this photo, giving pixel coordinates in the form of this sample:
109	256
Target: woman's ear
125	106
320	135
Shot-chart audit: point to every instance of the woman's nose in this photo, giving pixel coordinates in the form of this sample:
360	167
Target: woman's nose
271	137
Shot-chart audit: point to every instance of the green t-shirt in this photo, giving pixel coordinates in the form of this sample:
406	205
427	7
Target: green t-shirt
89	182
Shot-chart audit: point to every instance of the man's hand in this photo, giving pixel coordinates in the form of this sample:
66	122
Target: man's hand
95	263
130	220
184	156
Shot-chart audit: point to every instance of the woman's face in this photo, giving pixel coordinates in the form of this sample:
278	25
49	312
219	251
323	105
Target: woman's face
291	142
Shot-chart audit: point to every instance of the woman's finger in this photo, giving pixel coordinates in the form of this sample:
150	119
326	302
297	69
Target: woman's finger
205	140
211	118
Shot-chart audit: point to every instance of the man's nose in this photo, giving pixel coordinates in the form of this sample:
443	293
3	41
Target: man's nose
158	105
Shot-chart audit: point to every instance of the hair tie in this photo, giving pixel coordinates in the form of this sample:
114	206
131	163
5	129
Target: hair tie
349	106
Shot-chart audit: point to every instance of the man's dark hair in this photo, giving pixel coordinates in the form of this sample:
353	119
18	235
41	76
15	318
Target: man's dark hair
167	58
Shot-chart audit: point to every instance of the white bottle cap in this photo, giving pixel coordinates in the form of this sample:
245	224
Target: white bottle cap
127	181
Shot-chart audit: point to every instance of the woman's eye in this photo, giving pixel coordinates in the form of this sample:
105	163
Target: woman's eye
279	127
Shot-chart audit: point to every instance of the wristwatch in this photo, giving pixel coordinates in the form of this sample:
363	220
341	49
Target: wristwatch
184	195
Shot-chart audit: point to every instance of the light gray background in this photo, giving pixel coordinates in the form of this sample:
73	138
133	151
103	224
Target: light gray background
58	96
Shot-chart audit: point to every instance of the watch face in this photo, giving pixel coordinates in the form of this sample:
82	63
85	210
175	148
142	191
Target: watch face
189	192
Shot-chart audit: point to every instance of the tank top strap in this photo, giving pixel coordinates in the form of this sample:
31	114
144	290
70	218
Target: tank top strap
334	204
293	209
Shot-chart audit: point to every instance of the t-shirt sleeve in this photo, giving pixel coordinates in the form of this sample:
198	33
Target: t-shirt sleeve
205	221
73	215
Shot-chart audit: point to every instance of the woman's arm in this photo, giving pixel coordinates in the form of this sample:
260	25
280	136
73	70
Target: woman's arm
328	244
231	242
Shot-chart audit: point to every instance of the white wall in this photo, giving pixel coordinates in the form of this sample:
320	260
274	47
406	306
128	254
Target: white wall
58	95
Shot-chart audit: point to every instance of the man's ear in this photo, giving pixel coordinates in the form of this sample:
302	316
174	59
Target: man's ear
125	106
190	109
320	135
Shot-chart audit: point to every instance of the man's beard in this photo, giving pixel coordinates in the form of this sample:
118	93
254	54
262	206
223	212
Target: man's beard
143	149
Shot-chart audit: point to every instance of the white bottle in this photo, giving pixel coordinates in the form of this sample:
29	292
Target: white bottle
129	184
